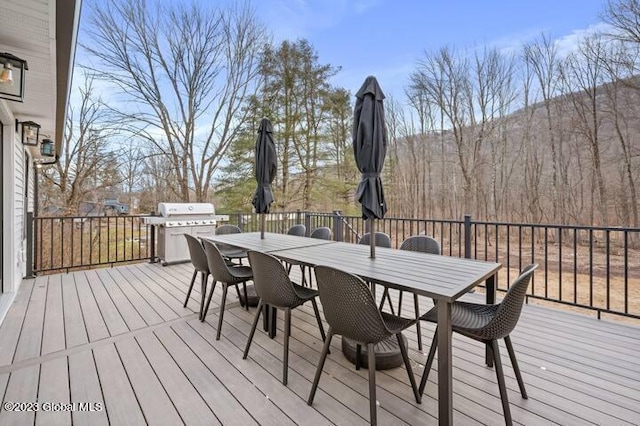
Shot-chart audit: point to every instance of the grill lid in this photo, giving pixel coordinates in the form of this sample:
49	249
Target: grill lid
186	209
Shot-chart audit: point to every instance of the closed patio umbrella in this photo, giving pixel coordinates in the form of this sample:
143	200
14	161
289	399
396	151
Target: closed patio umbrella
370	149
266	168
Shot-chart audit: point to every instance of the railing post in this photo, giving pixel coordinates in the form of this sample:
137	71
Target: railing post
152	245
307	223
30	245
467	236
338	234
239	221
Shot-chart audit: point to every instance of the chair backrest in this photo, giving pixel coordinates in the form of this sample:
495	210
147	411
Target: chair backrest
421	243
508	313
297	230
382	240
271	281
228	229
348	306
197	254
217	265
322	233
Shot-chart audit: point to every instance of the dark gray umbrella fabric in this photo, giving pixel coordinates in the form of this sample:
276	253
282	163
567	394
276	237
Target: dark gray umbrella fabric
266	168
370	147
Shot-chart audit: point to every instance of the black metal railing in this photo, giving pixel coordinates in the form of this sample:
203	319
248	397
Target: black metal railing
67	243
587	267
594	268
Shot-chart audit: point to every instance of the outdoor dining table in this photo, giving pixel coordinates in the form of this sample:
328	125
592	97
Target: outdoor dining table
442	278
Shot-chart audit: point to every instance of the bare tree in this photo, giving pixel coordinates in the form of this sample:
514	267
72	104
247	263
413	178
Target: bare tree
182	74
87	167
542	57
583	73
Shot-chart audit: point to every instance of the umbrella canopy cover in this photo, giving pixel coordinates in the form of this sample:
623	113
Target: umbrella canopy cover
370	147
266	167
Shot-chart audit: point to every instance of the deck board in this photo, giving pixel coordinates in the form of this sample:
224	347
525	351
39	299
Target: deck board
53	335
85	388
154	401
12	324
120	337
119	397
30	341
22	387
54	388
75	330
184	396
110	312
129	314
92	316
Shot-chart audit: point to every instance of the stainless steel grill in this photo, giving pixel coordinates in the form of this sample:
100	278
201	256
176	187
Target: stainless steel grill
177	219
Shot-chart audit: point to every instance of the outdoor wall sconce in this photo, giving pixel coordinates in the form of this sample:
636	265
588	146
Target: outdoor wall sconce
47	148
30	132
12	71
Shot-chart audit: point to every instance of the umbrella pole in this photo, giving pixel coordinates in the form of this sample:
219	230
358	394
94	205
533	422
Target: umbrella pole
262	226
372	239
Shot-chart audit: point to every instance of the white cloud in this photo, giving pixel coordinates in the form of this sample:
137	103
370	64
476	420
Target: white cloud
569	43
293	19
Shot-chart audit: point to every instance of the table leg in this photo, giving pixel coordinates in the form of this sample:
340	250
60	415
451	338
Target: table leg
445	373
490	299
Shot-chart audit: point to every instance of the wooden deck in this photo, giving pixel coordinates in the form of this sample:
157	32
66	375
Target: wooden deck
120	338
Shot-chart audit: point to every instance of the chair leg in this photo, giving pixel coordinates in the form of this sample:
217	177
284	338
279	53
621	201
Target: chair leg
429	363
203	292
373	410
501	384
358	355
407	364
253	330
323	357
516	368
386	297
246	296
193	280
416	308
304	277
285	358
206	307
225	287
317	312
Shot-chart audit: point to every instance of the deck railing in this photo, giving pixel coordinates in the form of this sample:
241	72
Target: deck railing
594	268
76	242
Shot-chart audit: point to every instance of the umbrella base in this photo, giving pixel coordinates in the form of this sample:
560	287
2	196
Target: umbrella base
388	353
252	296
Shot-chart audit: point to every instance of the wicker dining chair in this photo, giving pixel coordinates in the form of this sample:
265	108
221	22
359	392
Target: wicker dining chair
352	312
381	240
230	253
422	244
322	233
226	275
199	262
276	290
297	230
487	324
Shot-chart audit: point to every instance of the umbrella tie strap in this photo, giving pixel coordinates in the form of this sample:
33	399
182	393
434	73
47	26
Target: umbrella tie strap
370	175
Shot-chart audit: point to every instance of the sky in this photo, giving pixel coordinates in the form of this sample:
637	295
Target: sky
386	38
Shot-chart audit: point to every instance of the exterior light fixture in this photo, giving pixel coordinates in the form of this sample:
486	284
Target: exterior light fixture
30	132
12	73
47	148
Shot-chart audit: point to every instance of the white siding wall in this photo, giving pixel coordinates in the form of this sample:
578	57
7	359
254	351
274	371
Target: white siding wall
14	241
